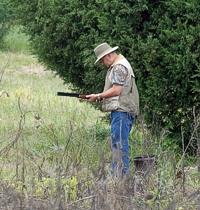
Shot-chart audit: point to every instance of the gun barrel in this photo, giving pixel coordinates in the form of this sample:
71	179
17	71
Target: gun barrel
77	95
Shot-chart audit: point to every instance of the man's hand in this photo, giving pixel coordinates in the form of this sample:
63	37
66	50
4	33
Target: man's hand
91	97
115	90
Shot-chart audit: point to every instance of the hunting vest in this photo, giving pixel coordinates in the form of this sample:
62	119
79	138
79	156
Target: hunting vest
128	100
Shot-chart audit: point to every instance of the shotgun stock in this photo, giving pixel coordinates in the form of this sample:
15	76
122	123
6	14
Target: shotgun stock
77	95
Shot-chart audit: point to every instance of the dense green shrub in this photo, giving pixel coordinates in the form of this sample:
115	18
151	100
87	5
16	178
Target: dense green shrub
167	60
160	39
64	34
4	19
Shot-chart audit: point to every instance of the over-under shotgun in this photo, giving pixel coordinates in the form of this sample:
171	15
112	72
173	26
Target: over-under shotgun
77	95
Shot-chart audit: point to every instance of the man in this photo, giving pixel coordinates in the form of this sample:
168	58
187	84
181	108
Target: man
120	97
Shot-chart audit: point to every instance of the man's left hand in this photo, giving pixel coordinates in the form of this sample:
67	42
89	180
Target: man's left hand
91	97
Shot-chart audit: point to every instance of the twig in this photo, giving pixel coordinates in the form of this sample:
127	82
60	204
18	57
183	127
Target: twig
86	198
183	161
4	93
3	71
196	127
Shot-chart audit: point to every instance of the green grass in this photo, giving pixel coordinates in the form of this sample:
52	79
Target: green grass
33	109
45	138
16	41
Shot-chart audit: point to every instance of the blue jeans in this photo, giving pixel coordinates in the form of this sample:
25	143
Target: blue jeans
121	124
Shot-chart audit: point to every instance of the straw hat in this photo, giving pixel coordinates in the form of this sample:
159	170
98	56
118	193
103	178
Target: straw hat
102	50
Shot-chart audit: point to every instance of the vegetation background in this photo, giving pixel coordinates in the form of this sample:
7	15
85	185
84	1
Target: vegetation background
55	152
159	38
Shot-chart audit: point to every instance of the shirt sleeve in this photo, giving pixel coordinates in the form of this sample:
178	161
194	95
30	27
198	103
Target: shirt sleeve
119	74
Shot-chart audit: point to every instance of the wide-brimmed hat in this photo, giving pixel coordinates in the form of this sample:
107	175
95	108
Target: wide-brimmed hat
102	50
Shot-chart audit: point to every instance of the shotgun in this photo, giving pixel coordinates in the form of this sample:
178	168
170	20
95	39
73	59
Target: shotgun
77	95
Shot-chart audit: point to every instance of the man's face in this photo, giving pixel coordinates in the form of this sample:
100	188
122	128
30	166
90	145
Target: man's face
106	60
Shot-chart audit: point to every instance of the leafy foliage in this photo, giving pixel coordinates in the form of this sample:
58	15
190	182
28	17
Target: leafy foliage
159	38
4	19
167	59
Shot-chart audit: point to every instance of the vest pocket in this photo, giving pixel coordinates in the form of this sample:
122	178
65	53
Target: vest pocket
110	104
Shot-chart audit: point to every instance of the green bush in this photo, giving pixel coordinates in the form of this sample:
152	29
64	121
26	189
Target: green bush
166	58
160	39
4	19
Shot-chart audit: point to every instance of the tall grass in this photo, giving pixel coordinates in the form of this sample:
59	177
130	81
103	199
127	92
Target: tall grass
55	152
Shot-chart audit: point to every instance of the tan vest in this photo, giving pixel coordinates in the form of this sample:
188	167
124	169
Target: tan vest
128	100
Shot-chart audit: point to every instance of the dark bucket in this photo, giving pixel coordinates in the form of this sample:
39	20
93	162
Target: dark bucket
145	163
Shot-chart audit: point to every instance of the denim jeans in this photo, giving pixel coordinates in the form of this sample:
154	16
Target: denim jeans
121	124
